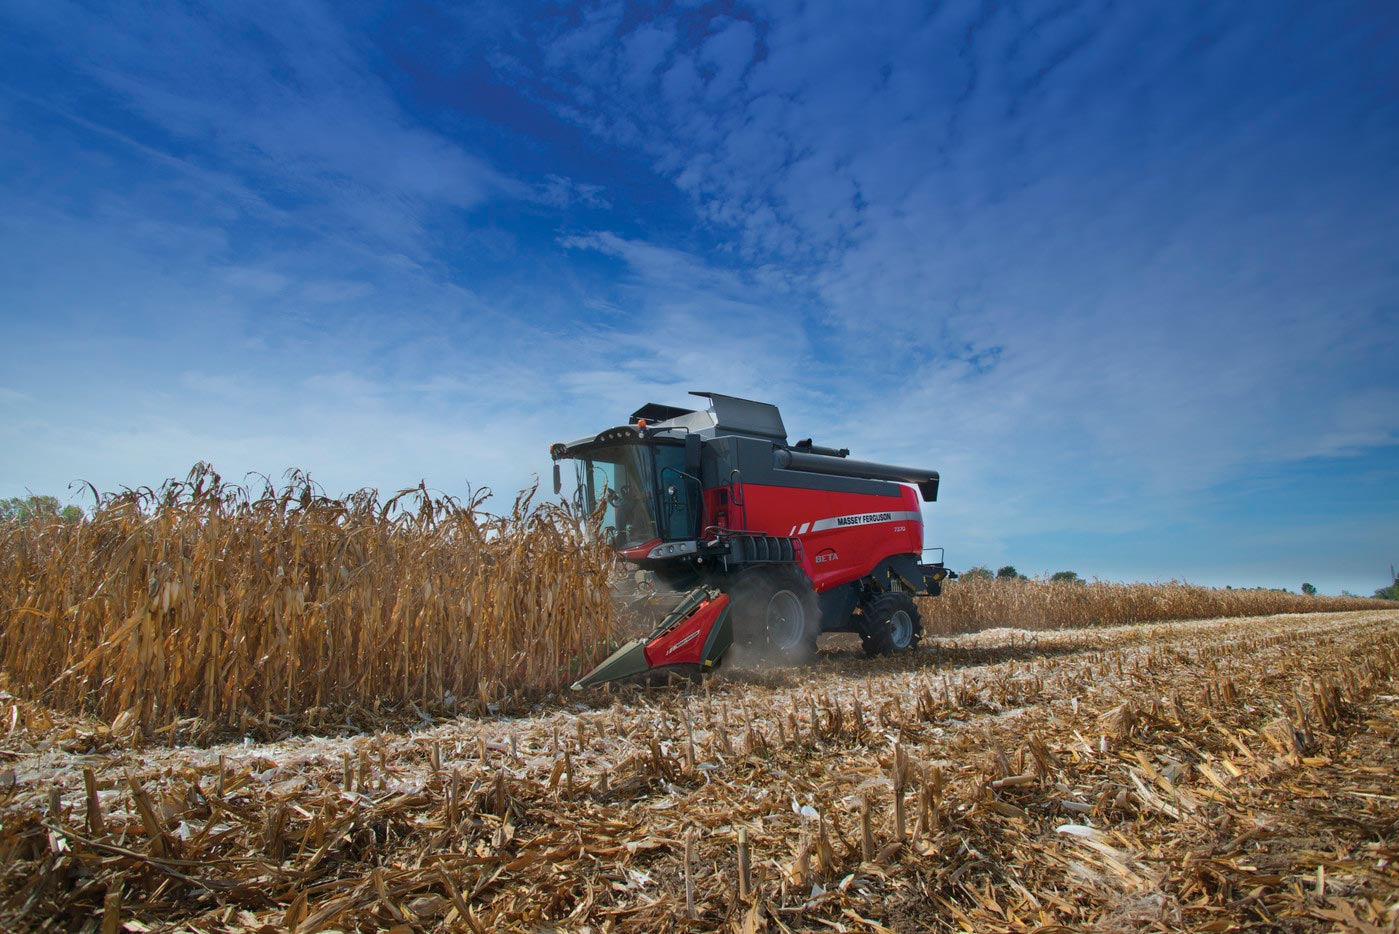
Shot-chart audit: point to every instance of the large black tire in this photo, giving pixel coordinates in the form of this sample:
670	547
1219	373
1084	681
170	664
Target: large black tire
892	624
775	614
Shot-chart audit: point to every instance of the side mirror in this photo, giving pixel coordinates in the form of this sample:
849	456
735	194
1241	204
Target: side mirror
558	479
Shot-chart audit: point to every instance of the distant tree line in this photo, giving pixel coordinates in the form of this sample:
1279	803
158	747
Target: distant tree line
26	508
1392	591
1009	573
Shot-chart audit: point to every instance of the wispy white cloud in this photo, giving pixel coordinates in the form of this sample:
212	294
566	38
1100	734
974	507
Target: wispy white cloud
283	95
684	324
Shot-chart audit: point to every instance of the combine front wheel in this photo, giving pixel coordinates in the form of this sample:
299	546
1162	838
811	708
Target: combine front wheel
892	624
775	612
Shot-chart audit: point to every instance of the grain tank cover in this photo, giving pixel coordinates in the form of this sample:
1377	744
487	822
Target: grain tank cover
736	416
655	412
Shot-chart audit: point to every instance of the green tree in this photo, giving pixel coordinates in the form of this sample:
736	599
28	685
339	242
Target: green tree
1309	590
982	572
1389	593
1067	577
1008	573
25	508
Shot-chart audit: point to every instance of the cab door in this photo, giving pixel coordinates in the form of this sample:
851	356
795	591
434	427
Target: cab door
681	505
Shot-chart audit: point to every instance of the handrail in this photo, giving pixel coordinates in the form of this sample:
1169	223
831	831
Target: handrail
736	493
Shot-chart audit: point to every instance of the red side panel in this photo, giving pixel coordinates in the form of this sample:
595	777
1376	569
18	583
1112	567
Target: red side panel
637	552
843	535
684	645
716	508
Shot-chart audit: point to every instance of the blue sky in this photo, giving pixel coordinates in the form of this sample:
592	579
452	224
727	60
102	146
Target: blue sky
1126	273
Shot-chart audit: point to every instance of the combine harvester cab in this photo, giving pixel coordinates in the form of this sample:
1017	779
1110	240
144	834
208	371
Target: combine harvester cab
772	543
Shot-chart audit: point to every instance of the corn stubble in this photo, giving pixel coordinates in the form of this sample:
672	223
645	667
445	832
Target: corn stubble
1200	776
203	599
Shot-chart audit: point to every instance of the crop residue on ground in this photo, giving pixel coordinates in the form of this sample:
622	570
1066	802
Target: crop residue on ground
1209	775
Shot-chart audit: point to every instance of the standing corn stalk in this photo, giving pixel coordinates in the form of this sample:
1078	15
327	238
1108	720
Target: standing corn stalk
204	599
972	603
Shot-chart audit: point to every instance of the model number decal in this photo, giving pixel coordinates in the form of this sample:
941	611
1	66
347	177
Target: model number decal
826	556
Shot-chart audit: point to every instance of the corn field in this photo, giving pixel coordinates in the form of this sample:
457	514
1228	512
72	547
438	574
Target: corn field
203	599
970	604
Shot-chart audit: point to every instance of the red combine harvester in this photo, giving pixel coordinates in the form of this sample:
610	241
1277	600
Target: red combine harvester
772	543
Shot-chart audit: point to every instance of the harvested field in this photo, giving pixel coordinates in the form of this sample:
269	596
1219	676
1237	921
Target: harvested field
1209	775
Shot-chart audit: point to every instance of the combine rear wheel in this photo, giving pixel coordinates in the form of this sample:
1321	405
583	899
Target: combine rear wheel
775	612
892	624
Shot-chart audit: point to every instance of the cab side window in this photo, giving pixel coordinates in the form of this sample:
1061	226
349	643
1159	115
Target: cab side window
680	494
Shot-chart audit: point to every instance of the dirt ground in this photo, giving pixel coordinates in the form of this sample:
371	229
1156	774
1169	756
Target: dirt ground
1208	775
